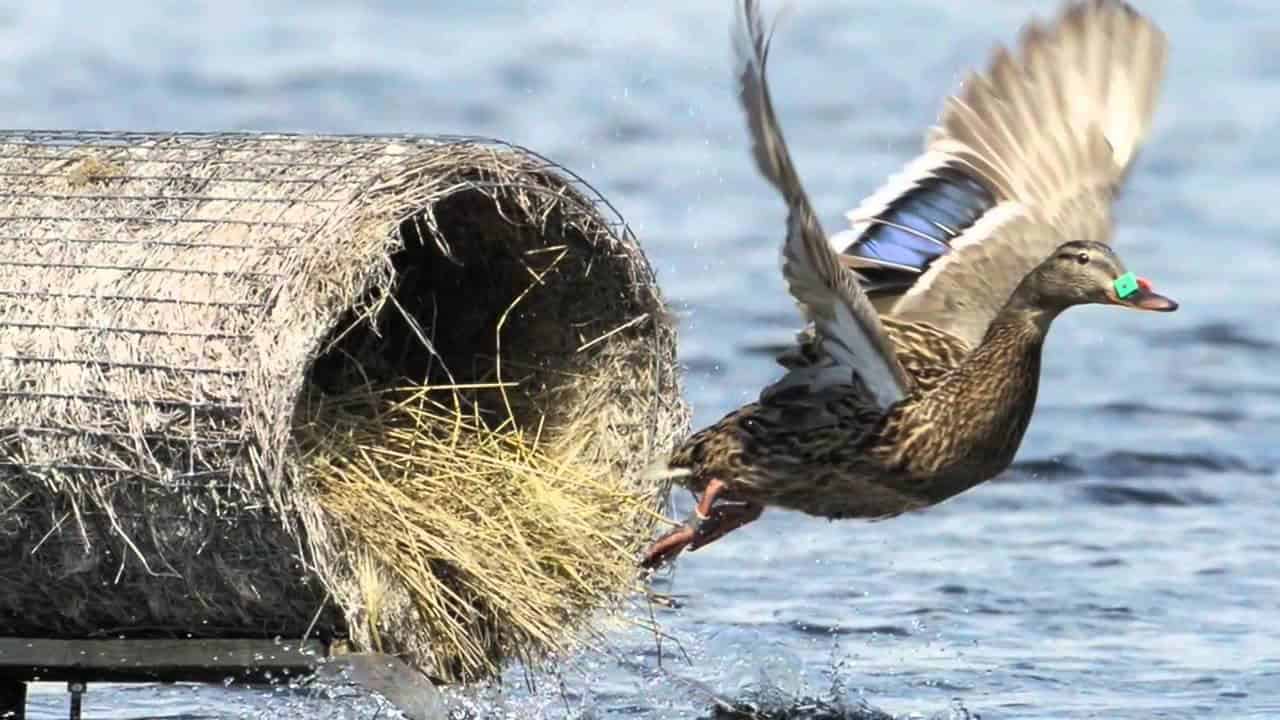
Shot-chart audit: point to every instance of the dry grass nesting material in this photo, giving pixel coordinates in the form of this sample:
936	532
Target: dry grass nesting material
506	540
474	438
90	170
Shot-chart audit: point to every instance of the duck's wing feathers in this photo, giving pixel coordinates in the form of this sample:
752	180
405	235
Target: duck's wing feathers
850	338
1042	138
964	302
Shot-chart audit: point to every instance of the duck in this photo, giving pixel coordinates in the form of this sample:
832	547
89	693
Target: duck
915	376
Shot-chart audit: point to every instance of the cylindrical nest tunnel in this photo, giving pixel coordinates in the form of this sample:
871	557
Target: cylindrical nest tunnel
398	390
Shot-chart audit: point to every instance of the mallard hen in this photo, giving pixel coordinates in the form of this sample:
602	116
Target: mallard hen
1003	223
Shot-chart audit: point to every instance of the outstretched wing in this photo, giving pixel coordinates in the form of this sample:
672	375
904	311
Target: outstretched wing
1026	156
848	329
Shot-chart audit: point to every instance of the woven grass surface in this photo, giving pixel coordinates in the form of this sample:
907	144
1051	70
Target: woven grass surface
215	350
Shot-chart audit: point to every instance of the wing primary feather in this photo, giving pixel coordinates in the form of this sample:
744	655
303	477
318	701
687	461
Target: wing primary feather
828	293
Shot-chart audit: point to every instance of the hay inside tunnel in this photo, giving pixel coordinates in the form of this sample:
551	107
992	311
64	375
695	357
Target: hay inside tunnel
402	395
460	452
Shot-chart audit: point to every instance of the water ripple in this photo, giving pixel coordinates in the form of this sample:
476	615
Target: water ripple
1215	334
1136	463
1118	494
1141	409
804	709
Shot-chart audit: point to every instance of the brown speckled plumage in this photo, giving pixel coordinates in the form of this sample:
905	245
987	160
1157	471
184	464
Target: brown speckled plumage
832	452
877	416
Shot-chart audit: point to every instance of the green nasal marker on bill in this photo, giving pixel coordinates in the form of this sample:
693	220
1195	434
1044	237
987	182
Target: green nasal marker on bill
1126	285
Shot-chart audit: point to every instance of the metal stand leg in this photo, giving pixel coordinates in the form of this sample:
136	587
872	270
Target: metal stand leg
77	696
13	700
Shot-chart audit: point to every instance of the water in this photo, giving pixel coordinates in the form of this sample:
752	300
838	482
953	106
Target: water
1125	569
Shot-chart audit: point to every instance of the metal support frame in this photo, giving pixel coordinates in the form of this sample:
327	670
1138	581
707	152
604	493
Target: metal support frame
251	661
76	688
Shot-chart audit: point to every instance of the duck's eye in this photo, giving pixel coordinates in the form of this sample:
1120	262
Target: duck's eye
1083	258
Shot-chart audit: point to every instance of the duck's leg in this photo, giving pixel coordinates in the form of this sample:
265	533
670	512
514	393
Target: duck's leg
724	520
667	547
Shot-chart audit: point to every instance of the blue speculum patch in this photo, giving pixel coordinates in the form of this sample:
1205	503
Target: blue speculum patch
919	226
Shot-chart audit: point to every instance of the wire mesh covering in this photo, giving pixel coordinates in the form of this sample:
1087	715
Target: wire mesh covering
167	300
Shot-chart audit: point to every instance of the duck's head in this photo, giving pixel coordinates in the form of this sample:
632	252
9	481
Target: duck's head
1080	273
